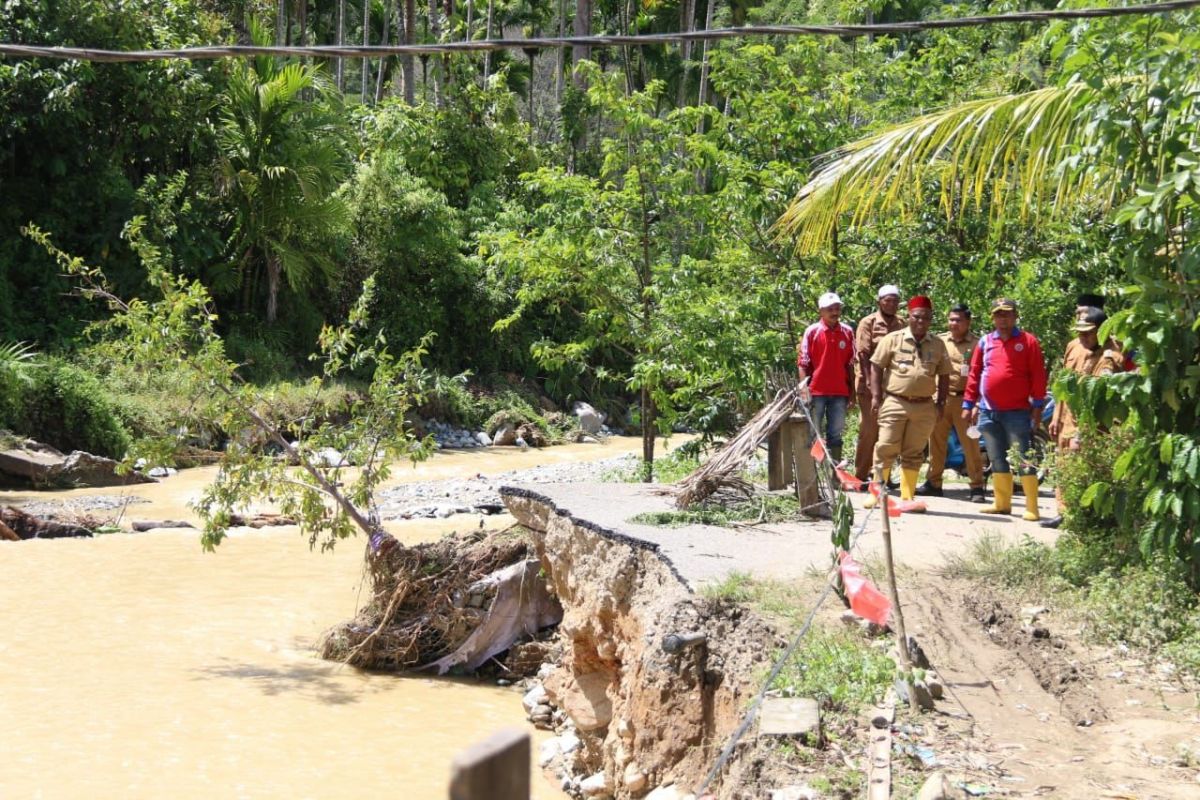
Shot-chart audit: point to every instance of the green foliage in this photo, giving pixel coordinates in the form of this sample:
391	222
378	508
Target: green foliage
764	508
69	408
177	327
840	669
672	466
18	361
1151	122
1144	606
1029	569
77	139
280	139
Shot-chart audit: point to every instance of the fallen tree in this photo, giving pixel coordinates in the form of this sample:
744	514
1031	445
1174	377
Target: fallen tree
454	603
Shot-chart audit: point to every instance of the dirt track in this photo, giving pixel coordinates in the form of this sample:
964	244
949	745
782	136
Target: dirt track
1044	715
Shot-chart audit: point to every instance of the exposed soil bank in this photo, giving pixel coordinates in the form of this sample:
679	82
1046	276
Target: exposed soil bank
645	717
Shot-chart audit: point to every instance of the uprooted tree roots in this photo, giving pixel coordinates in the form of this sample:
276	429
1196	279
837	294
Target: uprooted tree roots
422	605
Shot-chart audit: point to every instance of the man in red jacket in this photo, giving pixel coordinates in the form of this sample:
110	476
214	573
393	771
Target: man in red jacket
826	358
1006	389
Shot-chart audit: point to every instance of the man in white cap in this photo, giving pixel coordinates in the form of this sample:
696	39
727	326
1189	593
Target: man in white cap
826	357
871	329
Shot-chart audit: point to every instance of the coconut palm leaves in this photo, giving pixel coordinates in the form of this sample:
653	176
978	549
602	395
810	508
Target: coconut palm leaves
1011	148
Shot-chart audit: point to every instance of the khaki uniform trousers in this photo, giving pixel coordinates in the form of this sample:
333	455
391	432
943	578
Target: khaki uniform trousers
904	428
868	434
939	442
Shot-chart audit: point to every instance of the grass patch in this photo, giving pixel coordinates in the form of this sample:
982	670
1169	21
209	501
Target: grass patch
1026	569
764	508
840	669
779	601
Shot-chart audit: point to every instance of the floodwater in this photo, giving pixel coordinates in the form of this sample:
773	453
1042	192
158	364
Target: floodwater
139	666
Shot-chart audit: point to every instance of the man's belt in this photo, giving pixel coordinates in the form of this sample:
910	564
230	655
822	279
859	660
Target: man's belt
911	399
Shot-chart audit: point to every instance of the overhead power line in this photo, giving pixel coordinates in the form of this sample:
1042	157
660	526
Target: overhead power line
546	43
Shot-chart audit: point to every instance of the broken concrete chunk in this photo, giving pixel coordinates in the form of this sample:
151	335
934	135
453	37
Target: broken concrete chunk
790	716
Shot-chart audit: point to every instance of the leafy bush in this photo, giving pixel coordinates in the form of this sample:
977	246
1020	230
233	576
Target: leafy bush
69	408
263	357
1094	540
1143	606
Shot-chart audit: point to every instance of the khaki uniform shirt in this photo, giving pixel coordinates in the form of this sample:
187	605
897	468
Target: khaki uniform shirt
960	359
911	369
1106	359
871	329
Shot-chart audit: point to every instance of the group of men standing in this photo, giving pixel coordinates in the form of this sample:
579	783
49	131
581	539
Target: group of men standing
912	387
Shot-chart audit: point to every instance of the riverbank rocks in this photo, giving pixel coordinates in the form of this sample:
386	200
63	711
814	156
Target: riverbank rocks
42	465
590	420
505	435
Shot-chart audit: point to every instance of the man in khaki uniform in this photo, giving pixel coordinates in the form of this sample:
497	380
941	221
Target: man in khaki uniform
909	367
960	343
1086	356
871	329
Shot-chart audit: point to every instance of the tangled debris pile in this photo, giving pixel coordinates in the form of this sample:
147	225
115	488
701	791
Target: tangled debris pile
451	603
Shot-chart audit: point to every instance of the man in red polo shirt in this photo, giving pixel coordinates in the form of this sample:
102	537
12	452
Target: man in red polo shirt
826	358
1006	389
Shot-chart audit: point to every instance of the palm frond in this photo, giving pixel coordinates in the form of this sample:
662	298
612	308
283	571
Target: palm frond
16	361
1000	150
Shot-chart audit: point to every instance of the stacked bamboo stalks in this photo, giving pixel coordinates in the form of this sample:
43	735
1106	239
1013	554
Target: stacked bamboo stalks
723	471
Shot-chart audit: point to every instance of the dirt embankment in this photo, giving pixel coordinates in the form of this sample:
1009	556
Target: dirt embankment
645	717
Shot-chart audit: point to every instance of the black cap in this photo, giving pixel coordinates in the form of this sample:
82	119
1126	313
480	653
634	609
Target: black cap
1091	319
1003	304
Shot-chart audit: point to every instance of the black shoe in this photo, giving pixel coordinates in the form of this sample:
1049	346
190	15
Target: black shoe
977	495
1053	522
927	489
894	485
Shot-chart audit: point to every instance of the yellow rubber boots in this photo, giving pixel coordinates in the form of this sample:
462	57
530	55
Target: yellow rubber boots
1030	484
873	500
1002	494
908	488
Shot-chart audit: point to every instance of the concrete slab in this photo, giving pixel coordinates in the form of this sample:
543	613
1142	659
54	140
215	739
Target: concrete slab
705	554
789	716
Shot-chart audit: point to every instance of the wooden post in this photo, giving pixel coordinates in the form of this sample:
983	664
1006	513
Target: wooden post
790	460
897	613
807	491
775	474
495	769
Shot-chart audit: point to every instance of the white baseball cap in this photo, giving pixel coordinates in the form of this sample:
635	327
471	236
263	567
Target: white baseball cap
829	299
886	289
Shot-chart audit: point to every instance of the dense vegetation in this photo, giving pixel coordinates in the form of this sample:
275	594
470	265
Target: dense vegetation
602	225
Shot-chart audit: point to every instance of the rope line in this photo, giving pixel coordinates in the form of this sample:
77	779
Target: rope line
209	52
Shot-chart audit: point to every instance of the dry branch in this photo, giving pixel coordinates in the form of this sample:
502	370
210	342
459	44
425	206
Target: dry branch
723	471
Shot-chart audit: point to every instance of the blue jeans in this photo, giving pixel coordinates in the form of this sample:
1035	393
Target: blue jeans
829	414
1002	429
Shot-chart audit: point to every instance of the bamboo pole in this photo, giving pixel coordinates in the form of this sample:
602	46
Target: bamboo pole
897	612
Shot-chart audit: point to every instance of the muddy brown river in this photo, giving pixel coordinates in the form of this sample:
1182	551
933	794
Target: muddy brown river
138	666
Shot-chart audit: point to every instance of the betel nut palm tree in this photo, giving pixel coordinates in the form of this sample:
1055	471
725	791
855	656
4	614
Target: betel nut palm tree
281	160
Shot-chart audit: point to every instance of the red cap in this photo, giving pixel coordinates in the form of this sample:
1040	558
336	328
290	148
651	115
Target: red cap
920	301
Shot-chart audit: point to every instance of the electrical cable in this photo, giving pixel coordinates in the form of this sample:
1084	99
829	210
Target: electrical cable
209	52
